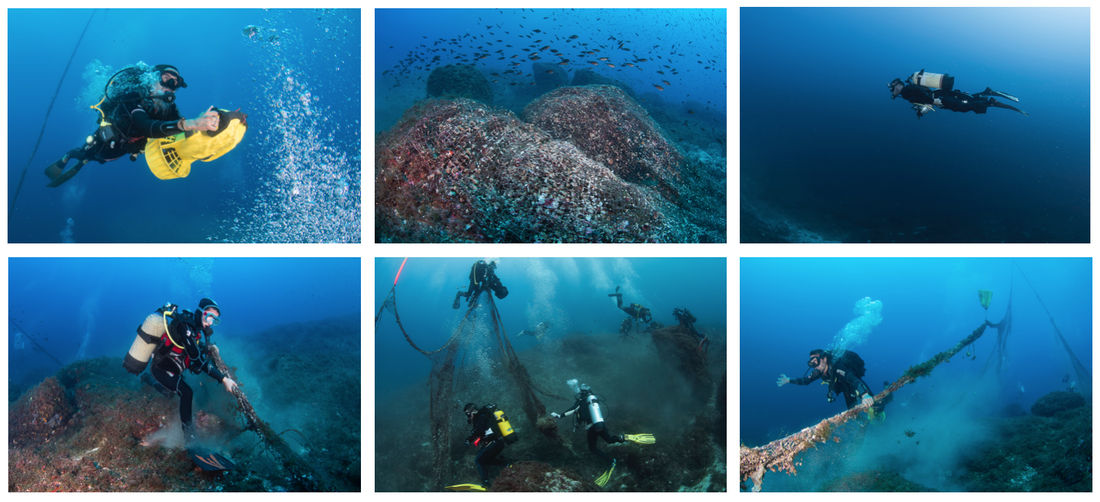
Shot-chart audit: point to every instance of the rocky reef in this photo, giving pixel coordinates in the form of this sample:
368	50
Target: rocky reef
459	81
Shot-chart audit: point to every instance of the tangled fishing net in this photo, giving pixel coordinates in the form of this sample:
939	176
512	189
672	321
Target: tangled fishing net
472	338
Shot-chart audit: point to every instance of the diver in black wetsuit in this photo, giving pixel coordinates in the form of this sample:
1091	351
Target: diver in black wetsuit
485	438
927	91
688	321
637	312
843	376
131	118
482	278
588	409
181	348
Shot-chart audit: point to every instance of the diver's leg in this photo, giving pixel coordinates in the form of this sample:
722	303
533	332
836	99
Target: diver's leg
998	104
611	439
592	435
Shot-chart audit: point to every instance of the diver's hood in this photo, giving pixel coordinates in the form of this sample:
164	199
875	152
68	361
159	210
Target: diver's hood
895	87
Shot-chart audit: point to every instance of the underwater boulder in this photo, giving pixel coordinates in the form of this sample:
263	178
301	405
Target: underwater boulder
548	77
459	81
589	77
611	128
460	171
1057	402
528	476
39	414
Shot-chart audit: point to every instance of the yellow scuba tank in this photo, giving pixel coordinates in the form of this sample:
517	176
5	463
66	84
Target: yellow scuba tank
933	80
146	341
503	428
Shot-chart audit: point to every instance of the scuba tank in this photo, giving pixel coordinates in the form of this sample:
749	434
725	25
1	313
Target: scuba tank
933	80
503	428
137	358
594	408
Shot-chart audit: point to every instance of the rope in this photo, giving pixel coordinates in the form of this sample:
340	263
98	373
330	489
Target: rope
11	207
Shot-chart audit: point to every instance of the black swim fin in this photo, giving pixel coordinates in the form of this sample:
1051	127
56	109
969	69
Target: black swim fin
210	461
57	177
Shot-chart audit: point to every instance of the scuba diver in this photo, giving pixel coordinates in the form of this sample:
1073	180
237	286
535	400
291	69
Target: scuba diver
626	326
688	321
844	376
588	411
491	431
929	90
637	312
538	333
176	346
139	103
482	278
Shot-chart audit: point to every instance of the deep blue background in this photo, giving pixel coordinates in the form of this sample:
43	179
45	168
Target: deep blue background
65	303
791	306
231	198
679	38
824	148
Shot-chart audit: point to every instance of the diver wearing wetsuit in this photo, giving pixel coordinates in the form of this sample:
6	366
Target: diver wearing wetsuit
840	378
588	409
180	349
482	278
924	98
131	119
485	438
636	311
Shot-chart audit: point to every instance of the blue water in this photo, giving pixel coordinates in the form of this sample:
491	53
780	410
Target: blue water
294	178
792	306
569	292
80	308
827	155
691	42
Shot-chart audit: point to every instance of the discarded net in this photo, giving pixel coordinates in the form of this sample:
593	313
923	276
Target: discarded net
779	455
448	380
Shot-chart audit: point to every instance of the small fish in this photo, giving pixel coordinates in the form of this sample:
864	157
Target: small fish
611	65
552	71
692	112
666	82
572	37
628	64
659	88
603	59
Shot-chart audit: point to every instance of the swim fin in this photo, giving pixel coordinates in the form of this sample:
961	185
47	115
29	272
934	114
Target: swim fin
640	438
210	461
602	480
466	488
57	177
991	92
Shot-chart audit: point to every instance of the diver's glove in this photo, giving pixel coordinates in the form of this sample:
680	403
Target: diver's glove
783	380
467	442
868	399
555	415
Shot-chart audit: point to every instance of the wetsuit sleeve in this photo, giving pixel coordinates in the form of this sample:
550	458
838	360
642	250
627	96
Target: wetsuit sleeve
572	410
806	381
146	126
856	383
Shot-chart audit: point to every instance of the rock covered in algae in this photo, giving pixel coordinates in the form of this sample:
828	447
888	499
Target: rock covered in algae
611	128
461	171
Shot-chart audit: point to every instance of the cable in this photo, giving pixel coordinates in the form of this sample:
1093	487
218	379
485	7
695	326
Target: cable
11	207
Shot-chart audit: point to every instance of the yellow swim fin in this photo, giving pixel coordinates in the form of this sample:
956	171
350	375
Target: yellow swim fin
602	480
171	157
466	488
640	438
